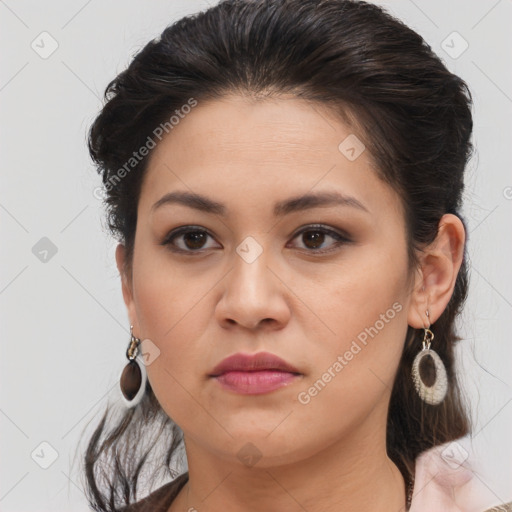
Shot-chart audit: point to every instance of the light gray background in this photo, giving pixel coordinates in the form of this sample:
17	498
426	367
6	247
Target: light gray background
64	329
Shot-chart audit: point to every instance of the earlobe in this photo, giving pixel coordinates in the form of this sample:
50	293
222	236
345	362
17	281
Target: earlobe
440	265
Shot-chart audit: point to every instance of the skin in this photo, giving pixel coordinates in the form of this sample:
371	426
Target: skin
328	454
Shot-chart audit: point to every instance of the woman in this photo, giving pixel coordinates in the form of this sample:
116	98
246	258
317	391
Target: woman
285	180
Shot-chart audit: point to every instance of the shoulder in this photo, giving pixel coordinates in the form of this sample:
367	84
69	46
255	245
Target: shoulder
445	479
161	499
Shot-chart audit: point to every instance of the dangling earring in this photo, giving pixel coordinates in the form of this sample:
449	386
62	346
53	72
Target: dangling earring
435	393
134	377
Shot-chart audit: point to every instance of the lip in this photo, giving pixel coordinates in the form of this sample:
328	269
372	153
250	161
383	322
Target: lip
254	374
251	363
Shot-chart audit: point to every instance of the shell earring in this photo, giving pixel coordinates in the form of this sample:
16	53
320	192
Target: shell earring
434	392
134	377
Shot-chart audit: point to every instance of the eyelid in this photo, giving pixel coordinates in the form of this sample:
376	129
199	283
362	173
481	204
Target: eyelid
323	227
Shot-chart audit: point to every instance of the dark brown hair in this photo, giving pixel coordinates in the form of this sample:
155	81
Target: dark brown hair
413	115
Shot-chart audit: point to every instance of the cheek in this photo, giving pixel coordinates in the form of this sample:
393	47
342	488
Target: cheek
165	296
168	308
354	375
367	312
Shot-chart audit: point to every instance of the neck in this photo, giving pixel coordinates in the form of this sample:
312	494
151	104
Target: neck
351	474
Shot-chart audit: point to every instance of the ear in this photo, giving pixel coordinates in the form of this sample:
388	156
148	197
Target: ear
127	287
435	280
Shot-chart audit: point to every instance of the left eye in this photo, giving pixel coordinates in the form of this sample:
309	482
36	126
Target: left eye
313	237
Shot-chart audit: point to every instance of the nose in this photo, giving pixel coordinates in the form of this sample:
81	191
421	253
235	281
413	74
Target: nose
253	295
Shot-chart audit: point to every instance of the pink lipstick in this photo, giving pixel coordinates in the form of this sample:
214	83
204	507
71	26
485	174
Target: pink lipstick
254	374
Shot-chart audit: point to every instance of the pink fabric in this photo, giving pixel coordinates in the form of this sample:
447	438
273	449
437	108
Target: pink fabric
445	482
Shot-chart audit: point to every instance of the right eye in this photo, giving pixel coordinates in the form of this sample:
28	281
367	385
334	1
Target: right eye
191	240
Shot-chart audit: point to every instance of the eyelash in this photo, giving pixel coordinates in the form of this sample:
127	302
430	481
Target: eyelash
340	239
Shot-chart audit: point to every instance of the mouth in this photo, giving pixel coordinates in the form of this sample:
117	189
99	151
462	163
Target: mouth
254	374
255	382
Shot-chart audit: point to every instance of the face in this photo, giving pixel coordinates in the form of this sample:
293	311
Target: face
322	285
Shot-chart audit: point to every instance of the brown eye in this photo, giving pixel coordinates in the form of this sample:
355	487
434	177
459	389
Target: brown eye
194	239
314	238
187	239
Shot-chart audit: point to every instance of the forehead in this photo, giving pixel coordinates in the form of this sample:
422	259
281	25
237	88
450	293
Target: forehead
278	127
262	149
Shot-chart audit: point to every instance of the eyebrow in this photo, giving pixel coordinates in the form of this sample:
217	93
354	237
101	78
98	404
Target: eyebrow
281	208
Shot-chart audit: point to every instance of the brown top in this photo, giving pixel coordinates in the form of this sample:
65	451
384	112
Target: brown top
161	499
